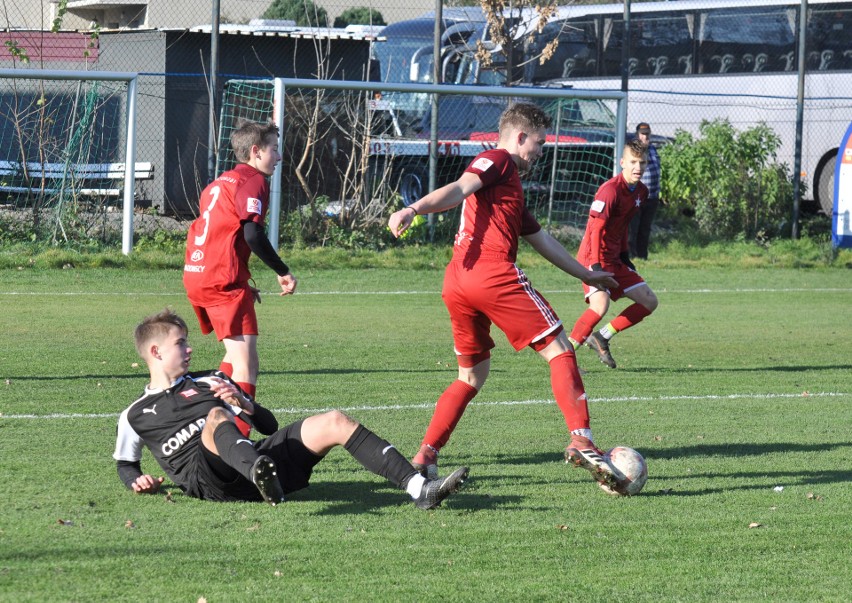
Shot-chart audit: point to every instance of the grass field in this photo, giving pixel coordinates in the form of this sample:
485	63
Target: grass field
738	392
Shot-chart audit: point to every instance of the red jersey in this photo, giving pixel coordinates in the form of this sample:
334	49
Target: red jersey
495	216
217	255
606	233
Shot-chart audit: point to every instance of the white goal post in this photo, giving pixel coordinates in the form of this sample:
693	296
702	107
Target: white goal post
130	129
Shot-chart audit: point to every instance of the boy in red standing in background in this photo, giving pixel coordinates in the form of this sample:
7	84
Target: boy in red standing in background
605	247
218	246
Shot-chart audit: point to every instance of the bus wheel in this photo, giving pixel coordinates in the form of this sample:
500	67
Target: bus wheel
413	183
824	192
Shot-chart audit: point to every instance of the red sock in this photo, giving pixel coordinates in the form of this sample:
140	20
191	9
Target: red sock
632	315
248	388
227	368
569	391
448	410
584	325
243	426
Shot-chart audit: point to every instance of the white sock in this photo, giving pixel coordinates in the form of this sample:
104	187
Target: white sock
583	433
415	485
607	332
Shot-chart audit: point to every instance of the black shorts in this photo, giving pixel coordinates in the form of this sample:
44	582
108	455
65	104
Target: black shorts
217	481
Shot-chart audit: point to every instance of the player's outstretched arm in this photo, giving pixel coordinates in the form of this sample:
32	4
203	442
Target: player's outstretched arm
442	199
553	251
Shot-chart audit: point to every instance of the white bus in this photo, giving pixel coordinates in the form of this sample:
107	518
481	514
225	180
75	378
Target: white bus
693	60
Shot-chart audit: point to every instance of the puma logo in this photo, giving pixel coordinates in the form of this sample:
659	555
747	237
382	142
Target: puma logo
152	410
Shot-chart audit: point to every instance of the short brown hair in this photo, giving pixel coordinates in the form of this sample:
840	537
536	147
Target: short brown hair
524	116
250	133
637	147
156	326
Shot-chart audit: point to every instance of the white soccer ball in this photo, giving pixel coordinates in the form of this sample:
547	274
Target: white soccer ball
629	467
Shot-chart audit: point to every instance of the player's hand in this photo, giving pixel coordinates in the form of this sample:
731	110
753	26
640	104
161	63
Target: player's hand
255	293
600	279
288	284
400	220
147	484
229	393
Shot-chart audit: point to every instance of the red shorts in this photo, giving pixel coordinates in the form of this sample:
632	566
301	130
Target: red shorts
627	279
494	292
235	317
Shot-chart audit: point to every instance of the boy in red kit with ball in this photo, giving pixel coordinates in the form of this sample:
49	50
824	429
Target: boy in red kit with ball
482	285
605	247
218	246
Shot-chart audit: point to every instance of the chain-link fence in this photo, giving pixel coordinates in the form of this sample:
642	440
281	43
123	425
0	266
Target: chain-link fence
684	62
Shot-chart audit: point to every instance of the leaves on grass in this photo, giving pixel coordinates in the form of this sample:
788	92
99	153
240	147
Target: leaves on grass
812	496
169	497
65	522
562	527
129	524
755	524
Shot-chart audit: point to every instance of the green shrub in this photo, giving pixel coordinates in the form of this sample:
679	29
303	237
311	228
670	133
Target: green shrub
729	181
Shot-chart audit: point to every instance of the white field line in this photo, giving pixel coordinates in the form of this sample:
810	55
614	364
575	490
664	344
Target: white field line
436	292
427	405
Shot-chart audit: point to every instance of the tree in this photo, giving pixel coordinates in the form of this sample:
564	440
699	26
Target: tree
303	12
504	24
360	15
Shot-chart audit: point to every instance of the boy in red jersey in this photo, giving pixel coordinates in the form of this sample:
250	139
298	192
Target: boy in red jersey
482	285
605	247
218	246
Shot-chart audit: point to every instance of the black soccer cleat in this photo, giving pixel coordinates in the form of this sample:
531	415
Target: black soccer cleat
264	475
436	490
598	343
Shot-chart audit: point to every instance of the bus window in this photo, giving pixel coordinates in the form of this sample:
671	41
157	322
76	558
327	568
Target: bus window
662	43
574	56
829	45
747	40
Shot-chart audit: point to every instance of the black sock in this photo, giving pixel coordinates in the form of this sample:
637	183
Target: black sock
234	448
376	455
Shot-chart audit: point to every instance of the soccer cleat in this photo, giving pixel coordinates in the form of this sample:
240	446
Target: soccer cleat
436	490
581	452
598	343
426	462
264	475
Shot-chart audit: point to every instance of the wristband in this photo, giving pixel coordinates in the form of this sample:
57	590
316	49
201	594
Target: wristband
411	207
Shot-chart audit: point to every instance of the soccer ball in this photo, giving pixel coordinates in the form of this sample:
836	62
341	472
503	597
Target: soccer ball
630	469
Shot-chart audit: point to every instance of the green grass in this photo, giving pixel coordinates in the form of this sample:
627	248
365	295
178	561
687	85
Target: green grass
740	383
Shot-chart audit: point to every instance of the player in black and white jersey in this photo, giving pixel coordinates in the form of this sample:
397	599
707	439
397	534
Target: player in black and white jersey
187	421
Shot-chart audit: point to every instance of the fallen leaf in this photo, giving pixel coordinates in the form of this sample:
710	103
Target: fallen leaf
129	524
277	573
169	497
134	365
65	522
562	527
658	438
754	524
8	382
812	496
778	488
202	600
805	394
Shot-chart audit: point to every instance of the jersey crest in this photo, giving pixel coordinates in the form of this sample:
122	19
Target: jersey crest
253	206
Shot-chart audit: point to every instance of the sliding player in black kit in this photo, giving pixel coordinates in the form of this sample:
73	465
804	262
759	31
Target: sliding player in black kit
187	421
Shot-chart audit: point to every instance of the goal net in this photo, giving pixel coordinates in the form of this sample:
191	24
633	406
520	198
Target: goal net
366	151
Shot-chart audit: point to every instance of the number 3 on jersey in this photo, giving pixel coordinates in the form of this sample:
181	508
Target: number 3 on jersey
214	192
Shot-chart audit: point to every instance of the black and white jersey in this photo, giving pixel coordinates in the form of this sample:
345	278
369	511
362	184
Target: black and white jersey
169	422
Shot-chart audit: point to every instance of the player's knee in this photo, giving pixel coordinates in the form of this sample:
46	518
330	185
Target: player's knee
339	422
217	416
